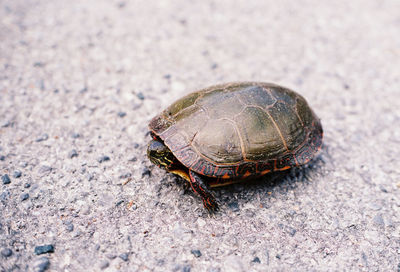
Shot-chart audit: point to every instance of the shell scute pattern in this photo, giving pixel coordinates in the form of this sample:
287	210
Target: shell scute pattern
237	130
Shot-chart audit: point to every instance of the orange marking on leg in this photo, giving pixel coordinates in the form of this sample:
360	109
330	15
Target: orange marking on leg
193	188
265	172
246	174
226	176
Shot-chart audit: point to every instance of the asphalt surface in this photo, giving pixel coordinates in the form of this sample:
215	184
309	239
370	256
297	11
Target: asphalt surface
80	80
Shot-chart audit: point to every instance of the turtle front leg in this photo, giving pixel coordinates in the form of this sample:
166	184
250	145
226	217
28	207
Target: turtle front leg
200	187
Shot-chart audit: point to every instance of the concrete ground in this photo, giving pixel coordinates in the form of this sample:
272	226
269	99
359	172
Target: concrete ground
80	80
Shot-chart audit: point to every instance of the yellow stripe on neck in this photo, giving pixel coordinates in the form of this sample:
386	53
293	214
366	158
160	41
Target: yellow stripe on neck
181	173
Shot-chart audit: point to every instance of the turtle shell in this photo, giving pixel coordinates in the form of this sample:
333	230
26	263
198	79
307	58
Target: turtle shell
238	130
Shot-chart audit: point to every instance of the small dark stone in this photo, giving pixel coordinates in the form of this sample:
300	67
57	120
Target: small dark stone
167	76
42	138
41	85
24	196
45	169
186	268
2	158
352	227
103	159
7	124
133	159
267	256
5	195
378	220
69	226
83	90
214	66
89	176
291	231
256	260
44	249
17	174
42	264
383	189
234	206
111	256
214	269
146	172
119	202
249	213
6	179
38	64
73	153
75	135
136	145
125	175
365	258
121	114
27	185
140	96
124	256
196	252
121	5
104	264
6	252
278	256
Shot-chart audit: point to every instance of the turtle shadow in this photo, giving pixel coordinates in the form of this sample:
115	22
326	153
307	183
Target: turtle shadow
234	196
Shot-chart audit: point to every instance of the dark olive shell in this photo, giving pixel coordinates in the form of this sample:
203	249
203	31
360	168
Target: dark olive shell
237	130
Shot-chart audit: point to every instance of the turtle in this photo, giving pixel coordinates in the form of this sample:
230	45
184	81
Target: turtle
233	132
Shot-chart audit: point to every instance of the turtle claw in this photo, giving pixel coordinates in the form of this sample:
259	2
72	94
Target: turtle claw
211	205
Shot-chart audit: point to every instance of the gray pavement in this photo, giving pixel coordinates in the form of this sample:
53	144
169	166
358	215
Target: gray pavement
80	80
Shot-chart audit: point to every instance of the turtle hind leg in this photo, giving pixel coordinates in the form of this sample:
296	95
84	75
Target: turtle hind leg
199	186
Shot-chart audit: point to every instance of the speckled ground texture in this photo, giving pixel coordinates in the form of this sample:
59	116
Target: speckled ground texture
80	80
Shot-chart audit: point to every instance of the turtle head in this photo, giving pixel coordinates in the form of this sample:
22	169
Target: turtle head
159	154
